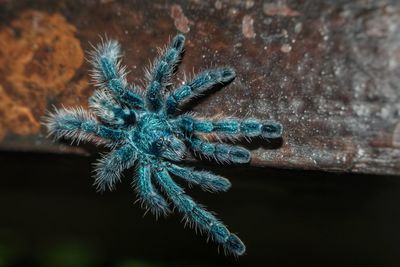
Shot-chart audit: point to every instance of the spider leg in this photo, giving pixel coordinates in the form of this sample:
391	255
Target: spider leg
197	86
108	110
108	73
109	168
79	125
206	180
160	75
151	199
220	152
195	215
232	127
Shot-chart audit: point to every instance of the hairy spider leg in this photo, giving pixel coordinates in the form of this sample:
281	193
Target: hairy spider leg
109	168
197	86
206	180
160	75
78	125
109	75
232	126
196	216
108	110
222	153
149	196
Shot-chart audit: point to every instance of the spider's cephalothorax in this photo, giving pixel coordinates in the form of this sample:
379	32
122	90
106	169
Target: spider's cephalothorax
148	131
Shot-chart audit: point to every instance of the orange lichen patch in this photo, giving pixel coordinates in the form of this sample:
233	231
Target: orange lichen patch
17	119
248	27
77	92
272	9
39	57
180	20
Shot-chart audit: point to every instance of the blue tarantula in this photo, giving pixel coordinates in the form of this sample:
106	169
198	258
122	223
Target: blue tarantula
145	130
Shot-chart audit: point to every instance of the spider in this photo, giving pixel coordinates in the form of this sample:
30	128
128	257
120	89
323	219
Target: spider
148	131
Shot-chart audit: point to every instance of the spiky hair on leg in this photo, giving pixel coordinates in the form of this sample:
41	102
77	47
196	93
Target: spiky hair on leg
106	61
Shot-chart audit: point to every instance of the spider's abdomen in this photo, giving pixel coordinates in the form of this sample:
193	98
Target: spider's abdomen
154	136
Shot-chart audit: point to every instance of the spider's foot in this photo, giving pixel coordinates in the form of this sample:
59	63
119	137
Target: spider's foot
221	184
235	245
156	205
230	242
178	42
271	130
239	155
225	75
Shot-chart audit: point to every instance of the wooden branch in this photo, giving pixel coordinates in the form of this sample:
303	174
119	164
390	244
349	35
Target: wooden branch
329	71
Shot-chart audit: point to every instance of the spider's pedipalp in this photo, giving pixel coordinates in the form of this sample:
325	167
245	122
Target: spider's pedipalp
107	109
160	75
197	216
105	59
109	168
151	199
206	180
108	73
222	153
232	127
201	83
79	125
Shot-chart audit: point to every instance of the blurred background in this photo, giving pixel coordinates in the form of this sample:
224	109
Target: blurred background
52	216
327	194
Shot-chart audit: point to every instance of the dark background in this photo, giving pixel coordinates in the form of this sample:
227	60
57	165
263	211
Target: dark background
52	216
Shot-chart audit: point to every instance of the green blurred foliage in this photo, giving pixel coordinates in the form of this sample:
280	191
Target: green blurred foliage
68	254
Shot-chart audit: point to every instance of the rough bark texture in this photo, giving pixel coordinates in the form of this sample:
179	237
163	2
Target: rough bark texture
328	70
